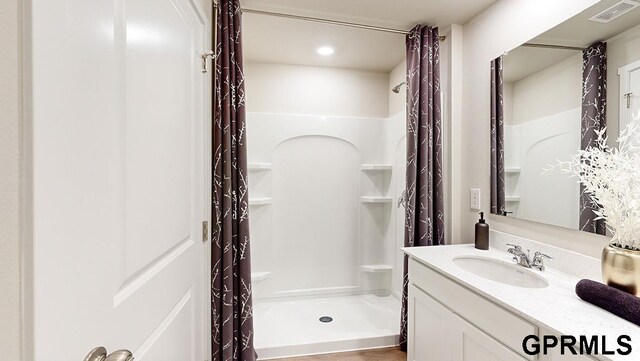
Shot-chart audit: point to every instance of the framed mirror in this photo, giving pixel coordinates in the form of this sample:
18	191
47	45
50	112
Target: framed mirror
549	96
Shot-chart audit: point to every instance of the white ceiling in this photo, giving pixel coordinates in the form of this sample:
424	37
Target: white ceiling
285	41
289	41
524	61
577	31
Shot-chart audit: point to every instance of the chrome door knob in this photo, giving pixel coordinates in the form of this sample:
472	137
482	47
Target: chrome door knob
100	354
120	355
97	354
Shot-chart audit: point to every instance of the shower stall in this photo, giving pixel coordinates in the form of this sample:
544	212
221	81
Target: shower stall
326	231
326	158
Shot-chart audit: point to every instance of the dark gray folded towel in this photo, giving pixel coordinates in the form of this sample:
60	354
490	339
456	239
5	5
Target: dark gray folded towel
611	299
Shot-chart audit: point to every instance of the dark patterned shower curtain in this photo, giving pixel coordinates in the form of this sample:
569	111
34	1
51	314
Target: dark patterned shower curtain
231	301
497	139
424	219
594	118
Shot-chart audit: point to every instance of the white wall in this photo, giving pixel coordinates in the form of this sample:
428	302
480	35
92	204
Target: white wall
296	89
507	96
502	27
10	163
453	140
445	90
397	102
550	91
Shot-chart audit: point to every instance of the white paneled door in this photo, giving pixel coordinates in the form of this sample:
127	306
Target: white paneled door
119	146
629	92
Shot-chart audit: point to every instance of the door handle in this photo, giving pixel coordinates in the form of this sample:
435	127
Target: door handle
120	355
100	354
206	56
628	96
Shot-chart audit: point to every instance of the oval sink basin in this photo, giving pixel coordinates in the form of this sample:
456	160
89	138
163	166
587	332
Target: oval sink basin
500	271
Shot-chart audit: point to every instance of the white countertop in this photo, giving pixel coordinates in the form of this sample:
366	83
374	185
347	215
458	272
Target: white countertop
556	308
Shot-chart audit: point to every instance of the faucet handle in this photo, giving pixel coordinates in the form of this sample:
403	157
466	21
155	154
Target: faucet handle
538	262
539	256
515	247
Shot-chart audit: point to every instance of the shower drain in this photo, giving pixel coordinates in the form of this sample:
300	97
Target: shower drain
326	319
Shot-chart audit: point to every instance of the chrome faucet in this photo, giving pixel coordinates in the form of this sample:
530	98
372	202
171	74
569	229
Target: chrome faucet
525	260
519	256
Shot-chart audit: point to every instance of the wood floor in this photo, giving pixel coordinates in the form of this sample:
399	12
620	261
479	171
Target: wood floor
385	354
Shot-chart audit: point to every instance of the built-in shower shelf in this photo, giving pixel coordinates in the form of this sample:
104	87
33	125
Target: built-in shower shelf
373	199
259	201
377	167
512	170
259	276
512	198
259	166
376	268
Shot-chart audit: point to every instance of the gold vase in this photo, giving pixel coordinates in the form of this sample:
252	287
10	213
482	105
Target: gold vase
621	269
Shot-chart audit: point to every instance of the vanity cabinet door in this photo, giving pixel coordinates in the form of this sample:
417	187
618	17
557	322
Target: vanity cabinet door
429	336
471	344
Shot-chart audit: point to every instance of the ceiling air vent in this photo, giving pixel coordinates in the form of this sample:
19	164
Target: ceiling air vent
615	11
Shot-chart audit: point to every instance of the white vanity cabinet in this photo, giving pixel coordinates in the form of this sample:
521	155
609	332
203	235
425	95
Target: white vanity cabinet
436	333
448	322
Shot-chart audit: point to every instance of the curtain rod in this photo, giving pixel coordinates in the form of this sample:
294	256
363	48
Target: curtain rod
328	21
551	46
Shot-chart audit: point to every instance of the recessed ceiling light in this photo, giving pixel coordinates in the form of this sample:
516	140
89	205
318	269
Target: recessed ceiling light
325	50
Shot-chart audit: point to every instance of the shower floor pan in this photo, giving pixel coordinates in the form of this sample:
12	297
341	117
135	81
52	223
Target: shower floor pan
292	327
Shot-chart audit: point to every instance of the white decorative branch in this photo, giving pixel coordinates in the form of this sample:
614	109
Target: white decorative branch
611	177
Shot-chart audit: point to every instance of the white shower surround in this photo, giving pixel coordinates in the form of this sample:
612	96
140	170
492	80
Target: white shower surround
313	233
550	198
325	226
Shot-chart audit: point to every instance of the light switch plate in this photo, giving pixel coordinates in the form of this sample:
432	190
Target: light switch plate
475	198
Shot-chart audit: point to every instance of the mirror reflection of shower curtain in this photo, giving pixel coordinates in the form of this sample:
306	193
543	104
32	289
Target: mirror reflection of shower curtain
497	139
594	119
